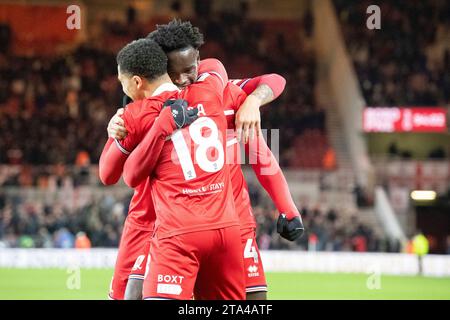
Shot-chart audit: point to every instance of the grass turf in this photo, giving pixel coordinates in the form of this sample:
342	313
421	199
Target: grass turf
94	284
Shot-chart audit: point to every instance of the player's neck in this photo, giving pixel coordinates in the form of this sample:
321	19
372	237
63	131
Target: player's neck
156	84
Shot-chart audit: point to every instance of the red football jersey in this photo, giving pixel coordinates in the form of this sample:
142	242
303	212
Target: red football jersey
141	211
191	185
233	97
263	162
139	117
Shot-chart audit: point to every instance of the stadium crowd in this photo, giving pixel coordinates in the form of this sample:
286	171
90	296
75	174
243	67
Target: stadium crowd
56	219
54	110
404	63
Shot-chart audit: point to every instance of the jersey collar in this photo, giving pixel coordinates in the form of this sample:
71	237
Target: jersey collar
167	86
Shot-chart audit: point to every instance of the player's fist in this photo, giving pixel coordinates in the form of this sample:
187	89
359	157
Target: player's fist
116	126
180	113
290	229
248	119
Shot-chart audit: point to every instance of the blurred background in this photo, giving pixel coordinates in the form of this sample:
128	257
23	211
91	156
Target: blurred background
364	140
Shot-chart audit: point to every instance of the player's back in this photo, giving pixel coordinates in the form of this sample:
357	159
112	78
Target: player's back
141	211
139	117
191	187
233	97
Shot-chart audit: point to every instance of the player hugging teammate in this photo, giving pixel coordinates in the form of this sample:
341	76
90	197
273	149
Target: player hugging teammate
190	230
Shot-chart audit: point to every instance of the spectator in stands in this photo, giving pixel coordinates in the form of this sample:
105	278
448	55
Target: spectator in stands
393	150
84	82
64	239
82	241
329	159
437	154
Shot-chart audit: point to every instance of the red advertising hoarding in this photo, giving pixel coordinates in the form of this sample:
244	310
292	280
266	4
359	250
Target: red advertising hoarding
404	119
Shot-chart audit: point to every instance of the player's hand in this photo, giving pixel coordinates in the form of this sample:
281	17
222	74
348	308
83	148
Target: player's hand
248	119
290	229
181	115
116	126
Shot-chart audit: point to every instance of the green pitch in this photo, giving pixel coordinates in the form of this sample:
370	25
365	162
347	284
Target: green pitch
94	284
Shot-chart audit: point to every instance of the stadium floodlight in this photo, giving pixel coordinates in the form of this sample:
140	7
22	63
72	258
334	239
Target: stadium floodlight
423	195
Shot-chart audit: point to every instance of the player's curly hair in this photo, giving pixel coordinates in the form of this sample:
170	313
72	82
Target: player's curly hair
176	35
144	58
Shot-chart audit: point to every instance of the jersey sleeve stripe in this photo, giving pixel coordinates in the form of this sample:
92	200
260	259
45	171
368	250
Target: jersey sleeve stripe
228	112
203	76
217	74
122	149
244	83
256	289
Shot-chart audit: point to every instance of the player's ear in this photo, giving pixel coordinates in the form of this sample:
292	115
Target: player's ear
137	81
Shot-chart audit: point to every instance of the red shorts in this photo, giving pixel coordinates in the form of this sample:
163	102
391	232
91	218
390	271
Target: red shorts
208	264
131	258
255	280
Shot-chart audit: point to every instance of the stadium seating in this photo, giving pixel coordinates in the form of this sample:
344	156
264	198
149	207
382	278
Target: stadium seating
66	102
405	63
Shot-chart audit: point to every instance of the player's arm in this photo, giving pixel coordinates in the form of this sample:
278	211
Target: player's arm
143	159
270	176
261	90
265	88
111	163
115	153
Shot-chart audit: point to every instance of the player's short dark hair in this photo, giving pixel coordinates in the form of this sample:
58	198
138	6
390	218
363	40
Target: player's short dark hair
144	58
177	35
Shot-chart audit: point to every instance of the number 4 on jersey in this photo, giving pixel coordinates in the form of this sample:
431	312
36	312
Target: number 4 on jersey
250	251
